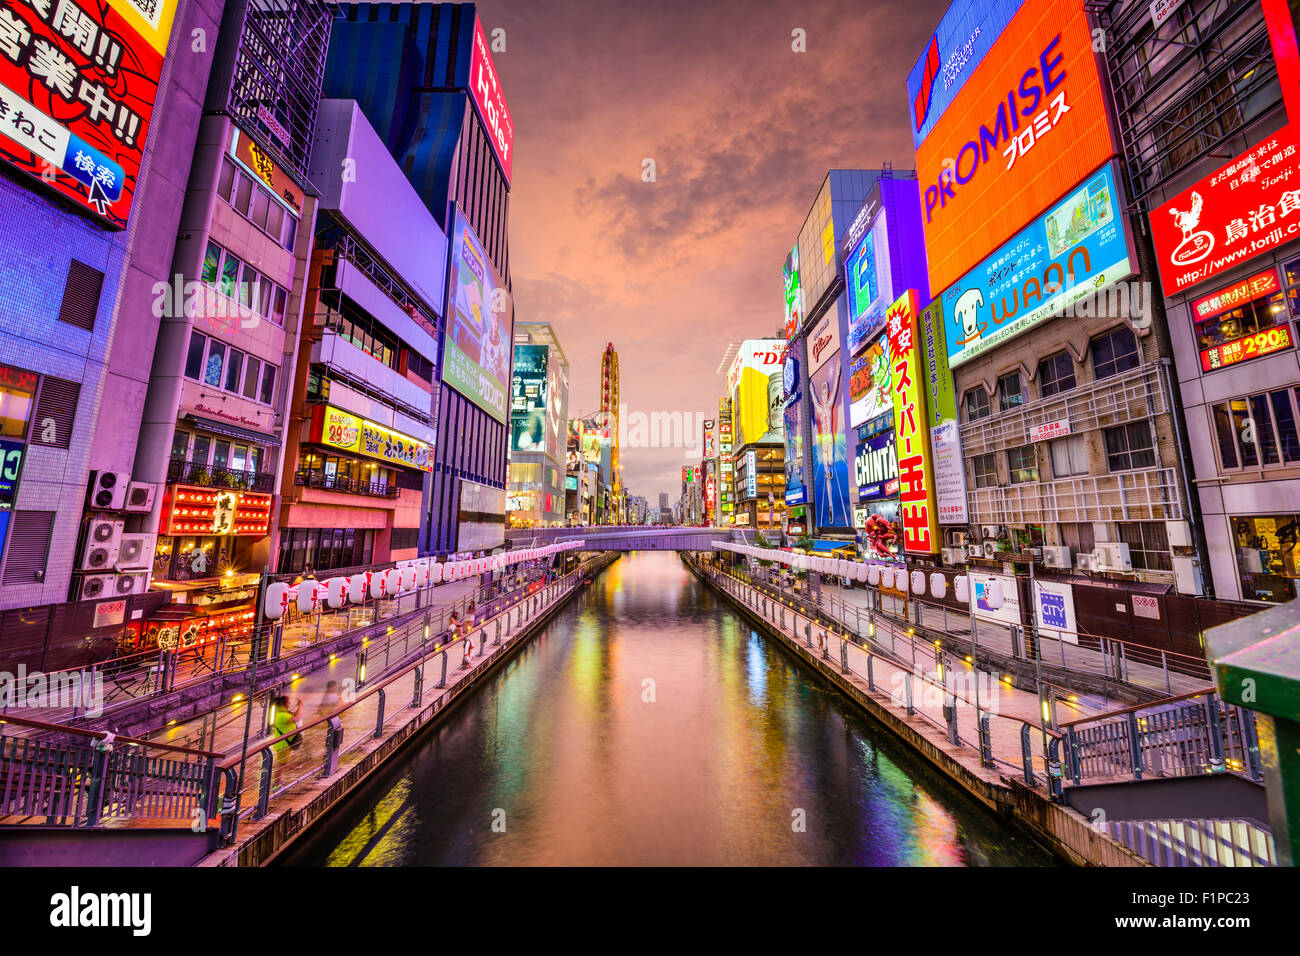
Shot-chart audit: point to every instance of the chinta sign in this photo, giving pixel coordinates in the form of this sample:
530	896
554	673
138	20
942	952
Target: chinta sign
998	81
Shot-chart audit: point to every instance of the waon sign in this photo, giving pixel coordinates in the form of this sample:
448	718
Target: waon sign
915	467
78	79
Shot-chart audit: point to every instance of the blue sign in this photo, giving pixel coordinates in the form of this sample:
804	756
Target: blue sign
1052	609
1071	253
875	467
11	465
963	38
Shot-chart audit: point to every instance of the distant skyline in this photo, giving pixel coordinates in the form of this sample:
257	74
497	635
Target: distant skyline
741	130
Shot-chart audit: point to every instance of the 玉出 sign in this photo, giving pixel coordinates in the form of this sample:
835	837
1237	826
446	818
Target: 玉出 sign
915	473
78	82
1049	430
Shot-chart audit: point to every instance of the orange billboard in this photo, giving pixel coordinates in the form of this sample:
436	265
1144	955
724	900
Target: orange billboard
1027	124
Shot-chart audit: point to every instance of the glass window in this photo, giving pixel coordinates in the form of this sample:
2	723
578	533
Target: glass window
257	208
1250	330
1056	374
225	179
251	376
234	368
1115	352
248	286
1227	437
1148	545
977	404
290	231
238	457
1268	555
1010	392
986	471
1241	426
1264	429
243	191
194	358
1285	419
1069	456
229	275
220	453
15	410
216	356
180	445
1130	446
268	384
255	459
211	263
202	445
278	306
1022	464
275	221
1079	536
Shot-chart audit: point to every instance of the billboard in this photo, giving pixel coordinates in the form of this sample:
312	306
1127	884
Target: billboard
824	339
480	517
78	81
1217	319
755	384
830	449
490	101
870	395
573	446
1008	112
478	343
1076	248
795	491
945	434
915	474
528	391
875	467
793	294
339	429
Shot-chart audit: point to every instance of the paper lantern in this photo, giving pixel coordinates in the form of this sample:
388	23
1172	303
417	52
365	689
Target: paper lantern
357	588
308	596
435	572
938	585
961	588
276	600
375	583
336	592
993	594
422	576
873	575
860	573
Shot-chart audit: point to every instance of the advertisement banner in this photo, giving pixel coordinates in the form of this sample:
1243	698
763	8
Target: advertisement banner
880	529
1054	606
339	429
1078	248
870	395
830	449
78	82
824	339
478	346
258	162
1008	112
868	280
945	434
875	467
751	474
557	393
915	469
795	491
528	398
793	294
1009	612
490	101
755	383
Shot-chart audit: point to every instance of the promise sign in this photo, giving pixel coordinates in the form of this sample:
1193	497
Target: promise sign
915	467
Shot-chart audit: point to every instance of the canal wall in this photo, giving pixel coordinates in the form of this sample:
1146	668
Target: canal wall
291	816
1065	831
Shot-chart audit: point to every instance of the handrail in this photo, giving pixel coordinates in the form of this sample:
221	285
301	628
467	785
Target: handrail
1137	707
101	734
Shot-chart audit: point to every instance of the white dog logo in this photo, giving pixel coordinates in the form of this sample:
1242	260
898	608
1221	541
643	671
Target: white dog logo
967	311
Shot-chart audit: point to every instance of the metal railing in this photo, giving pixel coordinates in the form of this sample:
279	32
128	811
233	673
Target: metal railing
208	476
345	483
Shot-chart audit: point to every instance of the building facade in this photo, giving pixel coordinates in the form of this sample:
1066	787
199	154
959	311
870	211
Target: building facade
539	406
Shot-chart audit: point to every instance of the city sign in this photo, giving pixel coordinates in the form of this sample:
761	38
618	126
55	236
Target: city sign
78	81
490	101
915	472
1008	111
339	429
1077	248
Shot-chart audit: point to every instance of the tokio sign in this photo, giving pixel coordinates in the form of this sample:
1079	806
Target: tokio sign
339	429
1069	254
915	472
1049	430
78	81
1244	209
945	435
1008	111
490	101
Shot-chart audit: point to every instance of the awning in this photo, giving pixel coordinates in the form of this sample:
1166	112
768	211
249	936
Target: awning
827	547
234	431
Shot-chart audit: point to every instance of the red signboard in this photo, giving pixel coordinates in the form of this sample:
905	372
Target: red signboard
1252	346
1246	290
485	90
77	89
915	468
195	510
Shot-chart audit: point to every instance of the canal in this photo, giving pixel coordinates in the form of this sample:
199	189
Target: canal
650	725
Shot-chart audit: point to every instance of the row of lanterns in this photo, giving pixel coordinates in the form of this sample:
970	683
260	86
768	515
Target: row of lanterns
310	596
872	573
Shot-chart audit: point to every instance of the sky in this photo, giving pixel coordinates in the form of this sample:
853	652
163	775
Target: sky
741	130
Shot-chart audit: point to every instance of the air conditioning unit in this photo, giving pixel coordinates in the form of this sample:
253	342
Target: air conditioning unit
1083	560
1112	556
136	583
974	551
1056	556
103	540
139	496
97	586
990	549
957	538
954	555
135	552
108	489
990	530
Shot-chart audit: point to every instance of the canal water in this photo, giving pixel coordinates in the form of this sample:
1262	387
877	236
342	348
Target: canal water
650	725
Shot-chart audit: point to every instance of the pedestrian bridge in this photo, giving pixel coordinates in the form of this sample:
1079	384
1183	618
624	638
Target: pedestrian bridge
622	538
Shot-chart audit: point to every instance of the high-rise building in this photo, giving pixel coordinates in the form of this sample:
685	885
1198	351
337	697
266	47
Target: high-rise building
539	404
754	383
609	413
423	75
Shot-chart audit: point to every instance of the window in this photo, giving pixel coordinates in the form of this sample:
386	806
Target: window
1069	456
1010	393
1268	556
229	280
227	368
216	356
1022	464
1258	431
211	264
180	445
1148	545
220	454
1056	374
1130	446
268	384
977	404
234	369
17	392
251	199
194	358
81	296
225	179
1079	536
240	281
251	375
202	448
1291	273
986	471
1249	330
1115	352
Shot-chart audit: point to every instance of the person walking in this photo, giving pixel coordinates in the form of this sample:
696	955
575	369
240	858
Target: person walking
284	721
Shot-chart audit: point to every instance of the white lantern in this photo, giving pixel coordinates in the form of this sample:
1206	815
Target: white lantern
873	575
993	594
375	583
435	572
918	582
938	584
357	588
422	576
887	578
276	600
336	592
961	588
308	596
860	572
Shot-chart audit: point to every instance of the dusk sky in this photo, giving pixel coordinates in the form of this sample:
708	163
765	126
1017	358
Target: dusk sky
742	131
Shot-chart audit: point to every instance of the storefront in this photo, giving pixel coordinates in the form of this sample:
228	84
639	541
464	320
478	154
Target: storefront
1268	556
209	533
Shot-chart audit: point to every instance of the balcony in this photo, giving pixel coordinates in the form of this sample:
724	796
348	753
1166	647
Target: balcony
209	476
1147	495
345	484
1132	395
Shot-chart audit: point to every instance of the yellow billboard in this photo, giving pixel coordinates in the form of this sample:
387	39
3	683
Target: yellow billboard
339	429
754	384
911	423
